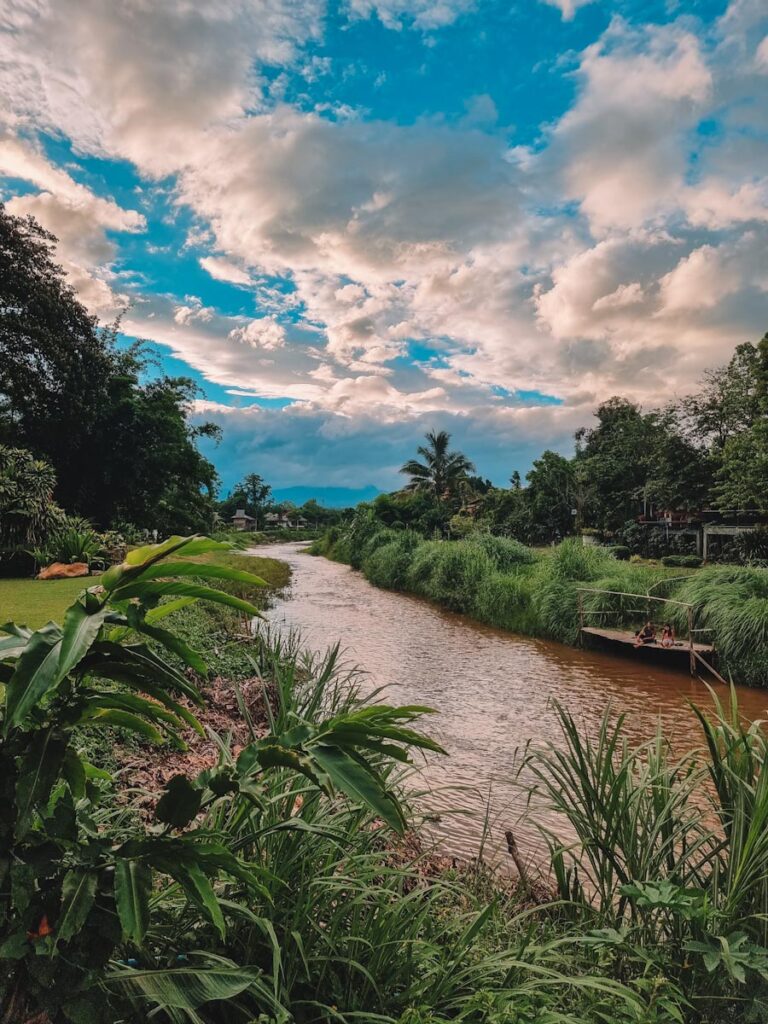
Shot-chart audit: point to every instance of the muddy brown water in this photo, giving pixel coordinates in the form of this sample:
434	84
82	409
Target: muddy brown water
493	692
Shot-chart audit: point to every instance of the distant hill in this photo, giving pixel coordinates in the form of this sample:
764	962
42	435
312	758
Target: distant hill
331	497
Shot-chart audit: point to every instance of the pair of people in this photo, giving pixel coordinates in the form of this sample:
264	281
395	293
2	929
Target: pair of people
647	635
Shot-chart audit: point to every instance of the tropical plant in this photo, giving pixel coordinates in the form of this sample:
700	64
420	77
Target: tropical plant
658	861
74	540
80	881
441	470
27	509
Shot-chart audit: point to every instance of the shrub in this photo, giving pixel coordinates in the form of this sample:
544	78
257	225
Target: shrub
682	561
28	512
504	552
619	551
571	560
388	565
456	569
732	602
74	541
505	600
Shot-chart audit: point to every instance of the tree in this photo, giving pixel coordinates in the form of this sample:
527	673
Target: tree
550	495
251	494
728	401
121	446
441	470
27	509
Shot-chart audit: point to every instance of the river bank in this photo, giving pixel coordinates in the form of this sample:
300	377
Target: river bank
494	692
536	593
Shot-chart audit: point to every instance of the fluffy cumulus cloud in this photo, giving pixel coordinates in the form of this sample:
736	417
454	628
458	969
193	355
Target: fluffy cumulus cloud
404	271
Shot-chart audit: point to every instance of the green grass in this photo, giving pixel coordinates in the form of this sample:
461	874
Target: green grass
34	602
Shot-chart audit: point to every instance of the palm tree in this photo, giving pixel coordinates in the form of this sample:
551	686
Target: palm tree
441	470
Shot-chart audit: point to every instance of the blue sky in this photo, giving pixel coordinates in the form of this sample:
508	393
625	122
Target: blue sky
352	222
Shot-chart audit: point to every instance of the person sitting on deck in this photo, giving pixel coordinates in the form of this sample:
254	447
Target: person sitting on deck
647	635
668	635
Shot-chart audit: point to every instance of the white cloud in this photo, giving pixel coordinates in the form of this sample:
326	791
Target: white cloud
266	333
222	269
423	14
77	217
568	8
621	150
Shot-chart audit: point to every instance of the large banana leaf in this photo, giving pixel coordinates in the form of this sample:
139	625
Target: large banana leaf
139	559
165	570
185	988
80	630
151	591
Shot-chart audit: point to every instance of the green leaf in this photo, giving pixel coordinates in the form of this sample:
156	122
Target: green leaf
185	988
38	772
133	887
15	947
163	610
153	591
35	673
139	559
180	802
80	630
123	720
360	782
200	891
203	571
174	643
73	771
78	891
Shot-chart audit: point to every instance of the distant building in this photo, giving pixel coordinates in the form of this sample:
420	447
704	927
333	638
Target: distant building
242	521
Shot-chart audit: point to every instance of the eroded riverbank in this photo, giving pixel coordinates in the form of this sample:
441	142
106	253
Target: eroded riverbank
493	690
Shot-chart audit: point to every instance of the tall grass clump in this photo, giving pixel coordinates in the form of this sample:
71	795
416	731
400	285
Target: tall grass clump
668	856
506	600
731	602
505	553
458	570
388	564
624	605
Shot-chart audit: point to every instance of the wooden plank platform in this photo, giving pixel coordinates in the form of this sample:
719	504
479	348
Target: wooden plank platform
623	636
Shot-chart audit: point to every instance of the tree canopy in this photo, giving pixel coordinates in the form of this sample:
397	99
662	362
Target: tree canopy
119	443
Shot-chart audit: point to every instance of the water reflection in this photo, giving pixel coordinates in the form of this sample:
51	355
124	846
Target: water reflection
493	690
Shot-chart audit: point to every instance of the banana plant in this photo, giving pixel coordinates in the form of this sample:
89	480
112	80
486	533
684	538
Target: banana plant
76	879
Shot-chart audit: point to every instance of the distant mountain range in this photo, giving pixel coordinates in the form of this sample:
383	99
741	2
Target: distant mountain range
330	497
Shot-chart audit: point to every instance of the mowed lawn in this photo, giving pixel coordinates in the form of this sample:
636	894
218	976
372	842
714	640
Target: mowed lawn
34	602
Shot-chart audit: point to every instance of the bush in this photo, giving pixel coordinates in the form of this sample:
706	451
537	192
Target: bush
732	602
505	600
504	552
449	572
619	551
388	565
682	561
74	541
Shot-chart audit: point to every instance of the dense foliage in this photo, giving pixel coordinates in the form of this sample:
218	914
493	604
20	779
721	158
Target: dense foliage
707	451
28	513
120	445
79	873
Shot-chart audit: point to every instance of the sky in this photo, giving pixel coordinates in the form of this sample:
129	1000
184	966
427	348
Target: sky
353	221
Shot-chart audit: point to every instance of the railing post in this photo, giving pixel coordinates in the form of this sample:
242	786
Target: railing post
690	640
580	597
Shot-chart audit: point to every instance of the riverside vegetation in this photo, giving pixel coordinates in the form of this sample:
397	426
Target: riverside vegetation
273	885
502	582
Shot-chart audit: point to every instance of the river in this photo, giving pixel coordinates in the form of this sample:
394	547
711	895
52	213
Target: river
493	690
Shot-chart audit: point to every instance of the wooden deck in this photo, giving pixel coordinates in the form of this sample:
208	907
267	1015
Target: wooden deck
623	636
